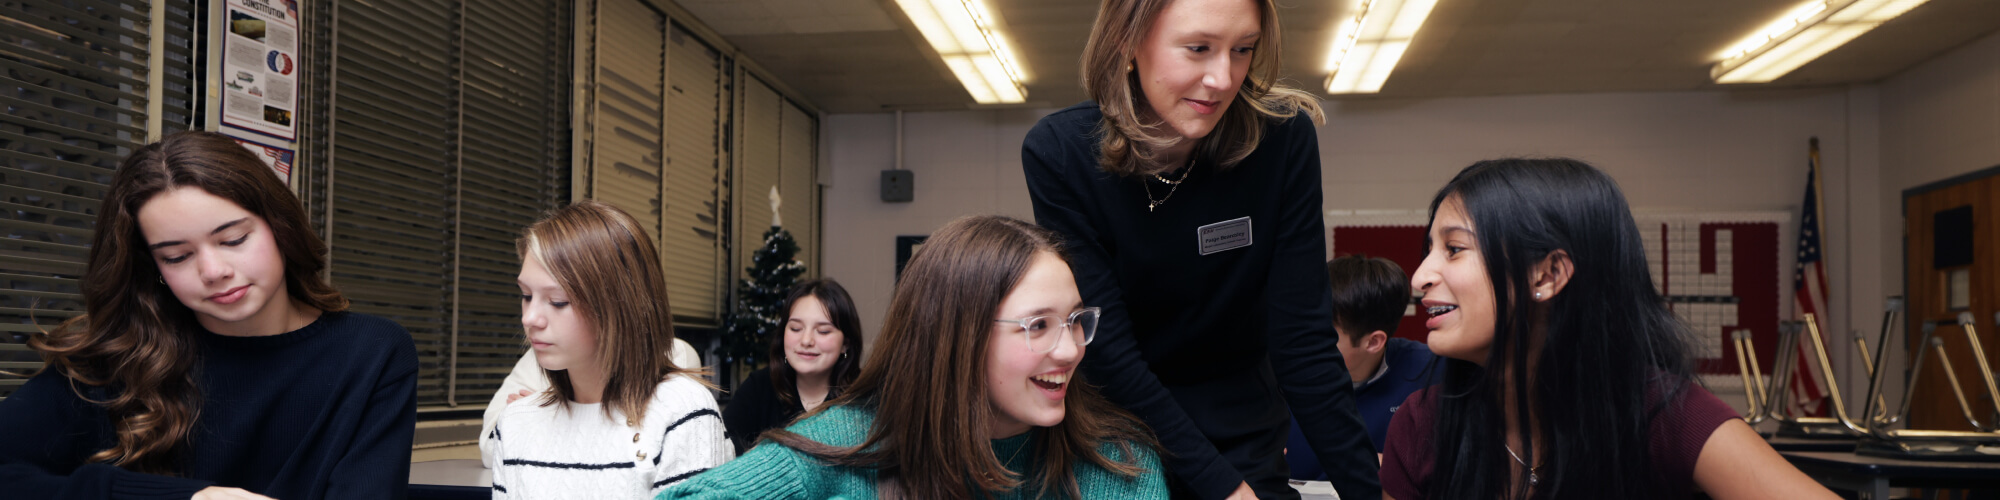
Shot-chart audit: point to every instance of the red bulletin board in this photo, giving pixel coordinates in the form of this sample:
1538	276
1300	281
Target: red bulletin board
1403	245
1696	288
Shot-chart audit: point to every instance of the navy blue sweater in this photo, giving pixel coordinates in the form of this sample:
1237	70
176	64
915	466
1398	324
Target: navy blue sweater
326	411
1405	370
1194	342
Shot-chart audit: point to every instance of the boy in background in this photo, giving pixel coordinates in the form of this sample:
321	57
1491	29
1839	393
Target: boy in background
1369	298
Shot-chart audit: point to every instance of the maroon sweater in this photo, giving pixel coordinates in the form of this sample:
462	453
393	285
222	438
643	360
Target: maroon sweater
1677	436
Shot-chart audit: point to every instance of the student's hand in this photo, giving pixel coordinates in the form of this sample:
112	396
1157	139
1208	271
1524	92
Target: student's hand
511	398
1243	492
221	493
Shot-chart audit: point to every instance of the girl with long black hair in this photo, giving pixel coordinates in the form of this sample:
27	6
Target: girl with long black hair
1564	375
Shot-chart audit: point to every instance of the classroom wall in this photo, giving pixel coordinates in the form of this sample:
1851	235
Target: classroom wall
1724	150
1717	151
964	162
1708	151
1940	119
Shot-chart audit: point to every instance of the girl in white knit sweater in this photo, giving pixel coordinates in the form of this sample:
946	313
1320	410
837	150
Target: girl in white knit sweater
619	420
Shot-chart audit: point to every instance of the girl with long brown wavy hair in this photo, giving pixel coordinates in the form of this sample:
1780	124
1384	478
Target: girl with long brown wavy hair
1189	189
970	392
619	419
212	360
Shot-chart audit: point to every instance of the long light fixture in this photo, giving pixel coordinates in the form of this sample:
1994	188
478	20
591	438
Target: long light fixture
1802	35
1367	46
965	34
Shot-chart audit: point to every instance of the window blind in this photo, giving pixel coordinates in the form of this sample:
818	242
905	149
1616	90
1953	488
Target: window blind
798	137
757	172
439	142
75	88
691	229
515	160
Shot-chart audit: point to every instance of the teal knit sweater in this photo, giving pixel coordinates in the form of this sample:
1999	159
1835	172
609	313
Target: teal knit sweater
774	471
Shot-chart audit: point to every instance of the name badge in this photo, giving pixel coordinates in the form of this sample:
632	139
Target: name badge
1223	236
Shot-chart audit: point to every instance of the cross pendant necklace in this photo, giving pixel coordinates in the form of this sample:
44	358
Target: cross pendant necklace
1173	185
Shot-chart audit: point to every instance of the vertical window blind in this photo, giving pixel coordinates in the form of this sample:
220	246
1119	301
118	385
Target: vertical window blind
74	81
438	141
691	231
424	148
779	150
659	109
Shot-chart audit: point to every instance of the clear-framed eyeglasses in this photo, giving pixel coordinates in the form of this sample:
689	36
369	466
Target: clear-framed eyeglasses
1041	332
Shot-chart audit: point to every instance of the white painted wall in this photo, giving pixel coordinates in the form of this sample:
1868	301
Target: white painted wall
1940	119
964	162
1707	151
1690	151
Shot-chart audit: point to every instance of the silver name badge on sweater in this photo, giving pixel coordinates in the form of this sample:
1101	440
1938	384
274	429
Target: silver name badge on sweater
1223	236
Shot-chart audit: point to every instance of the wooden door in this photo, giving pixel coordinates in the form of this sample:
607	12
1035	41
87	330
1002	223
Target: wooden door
1952	238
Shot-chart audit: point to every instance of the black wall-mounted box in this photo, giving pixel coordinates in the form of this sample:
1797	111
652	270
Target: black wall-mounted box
898	186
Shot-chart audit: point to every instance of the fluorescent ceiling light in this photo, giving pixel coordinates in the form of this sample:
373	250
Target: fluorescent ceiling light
966	36
1367	46
1802	35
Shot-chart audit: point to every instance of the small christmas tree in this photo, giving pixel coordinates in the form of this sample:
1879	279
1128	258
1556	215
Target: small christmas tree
756	318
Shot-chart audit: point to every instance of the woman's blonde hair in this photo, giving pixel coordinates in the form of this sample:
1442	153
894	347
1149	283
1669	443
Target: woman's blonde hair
1127	147
604	260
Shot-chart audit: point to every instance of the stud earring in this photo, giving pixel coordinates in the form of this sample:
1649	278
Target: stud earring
1538	295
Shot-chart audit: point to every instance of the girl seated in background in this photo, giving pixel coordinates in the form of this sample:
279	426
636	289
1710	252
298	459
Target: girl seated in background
619	419
810	363
971	392
1564	374
211	360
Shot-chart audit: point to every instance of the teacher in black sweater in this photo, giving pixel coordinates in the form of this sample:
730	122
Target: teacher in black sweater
1189	192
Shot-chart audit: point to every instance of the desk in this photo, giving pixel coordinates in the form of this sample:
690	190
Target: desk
450	480
468	479
1872	476
1315	490
1784	444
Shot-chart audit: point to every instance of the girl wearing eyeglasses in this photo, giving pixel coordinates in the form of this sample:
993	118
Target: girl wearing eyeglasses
971	392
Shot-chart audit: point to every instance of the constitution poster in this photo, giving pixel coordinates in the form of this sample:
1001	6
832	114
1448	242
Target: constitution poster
260	67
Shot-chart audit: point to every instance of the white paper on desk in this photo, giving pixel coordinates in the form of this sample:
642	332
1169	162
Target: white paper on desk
1315	490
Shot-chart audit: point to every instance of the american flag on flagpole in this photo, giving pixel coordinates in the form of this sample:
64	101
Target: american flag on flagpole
1808	392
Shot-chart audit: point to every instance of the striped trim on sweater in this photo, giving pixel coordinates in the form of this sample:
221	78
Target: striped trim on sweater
550	452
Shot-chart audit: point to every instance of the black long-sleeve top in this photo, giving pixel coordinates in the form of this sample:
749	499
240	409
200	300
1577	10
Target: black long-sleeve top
1186	338
327	411
755	407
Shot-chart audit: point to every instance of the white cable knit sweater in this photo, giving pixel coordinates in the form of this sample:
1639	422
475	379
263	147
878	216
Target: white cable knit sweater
547	452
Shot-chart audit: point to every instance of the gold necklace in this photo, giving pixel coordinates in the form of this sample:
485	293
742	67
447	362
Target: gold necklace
1532	478
1173	185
